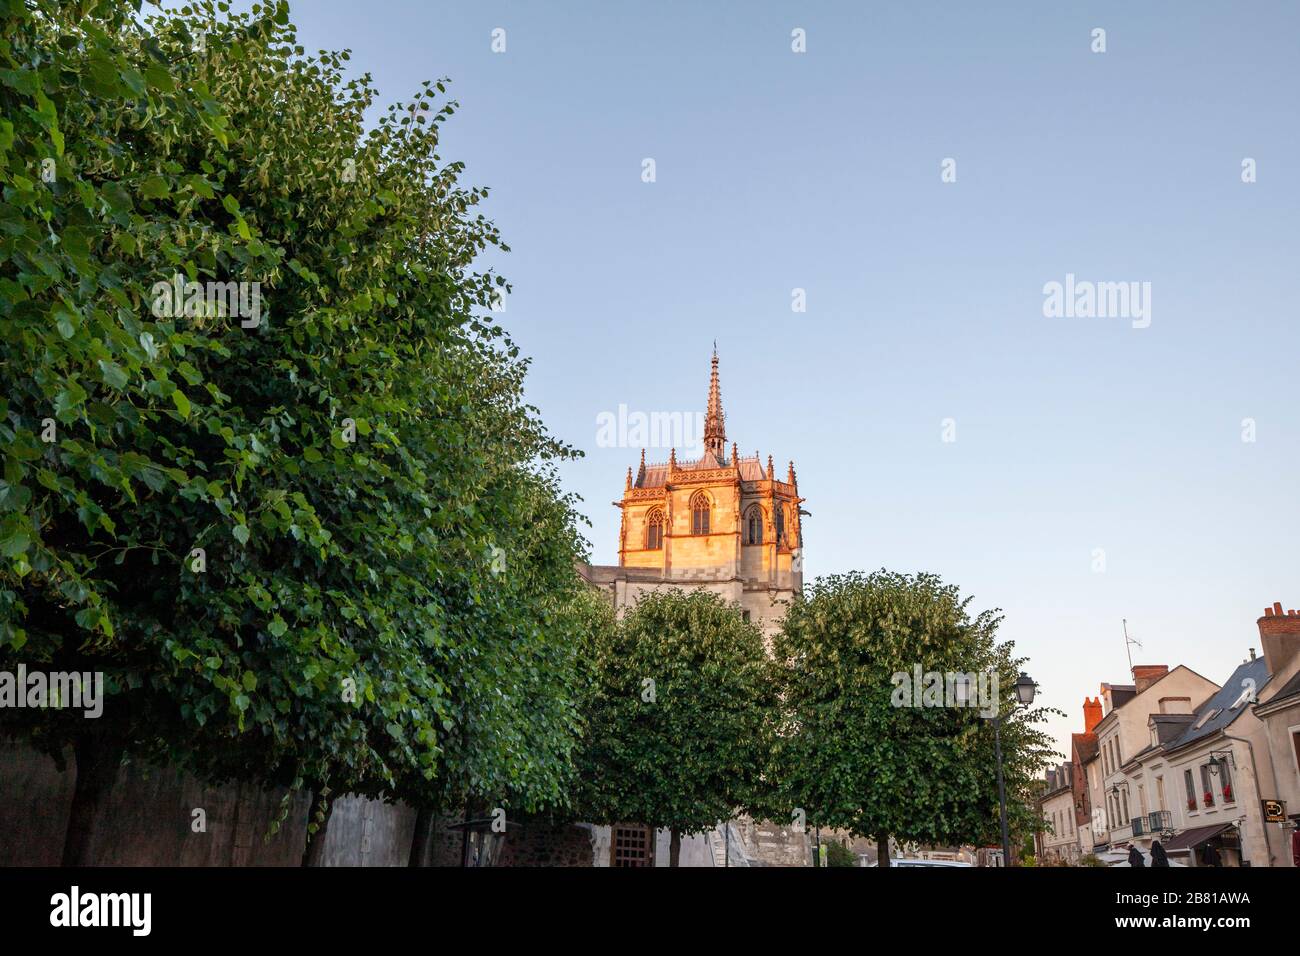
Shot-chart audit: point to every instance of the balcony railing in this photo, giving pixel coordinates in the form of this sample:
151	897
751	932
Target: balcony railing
1139	826
1158	820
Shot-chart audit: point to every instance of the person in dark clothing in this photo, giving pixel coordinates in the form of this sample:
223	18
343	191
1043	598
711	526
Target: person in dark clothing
1135	857
1158	855
1210	856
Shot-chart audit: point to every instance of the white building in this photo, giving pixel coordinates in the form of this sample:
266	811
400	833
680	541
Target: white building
1058	840
1119	803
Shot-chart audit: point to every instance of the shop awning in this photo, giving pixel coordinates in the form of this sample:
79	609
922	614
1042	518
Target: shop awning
1191	839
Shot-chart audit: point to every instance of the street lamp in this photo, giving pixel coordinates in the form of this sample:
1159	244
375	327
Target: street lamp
1218	761
1025	690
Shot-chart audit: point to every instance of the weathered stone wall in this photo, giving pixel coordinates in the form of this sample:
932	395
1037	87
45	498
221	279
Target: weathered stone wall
149	816
537	843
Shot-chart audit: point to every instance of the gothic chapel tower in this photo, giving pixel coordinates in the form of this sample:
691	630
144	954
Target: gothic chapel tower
720	522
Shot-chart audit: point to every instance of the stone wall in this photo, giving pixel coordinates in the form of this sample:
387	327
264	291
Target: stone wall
150	814
537	843
148	820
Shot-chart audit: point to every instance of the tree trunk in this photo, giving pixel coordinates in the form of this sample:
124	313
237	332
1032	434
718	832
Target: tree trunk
674	846
426	820
315	849
97	765
882	851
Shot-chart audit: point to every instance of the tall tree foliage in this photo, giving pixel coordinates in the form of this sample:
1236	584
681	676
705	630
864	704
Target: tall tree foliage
852	760
320	545
680	717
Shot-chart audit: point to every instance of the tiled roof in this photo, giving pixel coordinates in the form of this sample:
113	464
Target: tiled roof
656	476
1121	694
1085	745
1218	712
1290	689
1170	727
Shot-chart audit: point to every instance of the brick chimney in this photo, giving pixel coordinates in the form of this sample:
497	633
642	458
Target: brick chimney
1279	633
1144	675
1091	714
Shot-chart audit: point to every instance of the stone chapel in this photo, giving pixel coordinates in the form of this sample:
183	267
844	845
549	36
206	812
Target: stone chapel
720	522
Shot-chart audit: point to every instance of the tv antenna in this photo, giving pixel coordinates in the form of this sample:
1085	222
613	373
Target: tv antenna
1128	645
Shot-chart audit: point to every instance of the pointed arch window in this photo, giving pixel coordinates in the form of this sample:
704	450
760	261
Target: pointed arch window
654	530
754	525
778	514
700	513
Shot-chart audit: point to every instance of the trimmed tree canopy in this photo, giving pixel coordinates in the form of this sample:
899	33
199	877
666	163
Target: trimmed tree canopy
863	749
264	466
681	717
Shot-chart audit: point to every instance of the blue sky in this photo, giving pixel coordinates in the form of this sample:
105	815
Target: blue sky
821	171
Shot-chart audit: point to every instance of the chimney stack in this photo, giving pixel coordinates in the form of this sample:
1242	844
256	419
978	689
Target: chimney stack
1091	713
1279	635
1144	675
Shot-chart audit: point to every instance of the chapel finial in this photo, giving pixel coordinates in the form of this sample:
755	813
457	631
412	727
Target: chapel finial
715	426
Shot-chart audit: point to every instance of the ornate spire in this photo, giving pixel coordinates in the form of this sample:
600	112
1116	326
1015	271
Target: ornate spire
715	425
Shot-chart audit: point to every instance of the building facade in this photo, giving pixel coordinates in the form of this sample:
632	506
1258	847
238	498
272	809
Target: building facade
1211	772
721	522
1058	840
1124	731
1278	709
1083	756
726	524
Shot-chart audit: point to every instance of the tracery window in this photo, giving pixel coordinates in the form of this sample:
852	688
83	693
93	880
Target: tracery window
700	513
654	530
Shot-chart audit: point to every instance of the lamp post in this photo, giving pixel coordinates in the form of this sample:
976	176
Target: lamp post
1221	758
1025	689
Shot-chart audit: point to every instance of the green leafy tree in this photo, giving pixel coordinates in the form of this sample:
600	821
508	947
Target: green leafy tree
852	760
274	518
837	854
680	717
